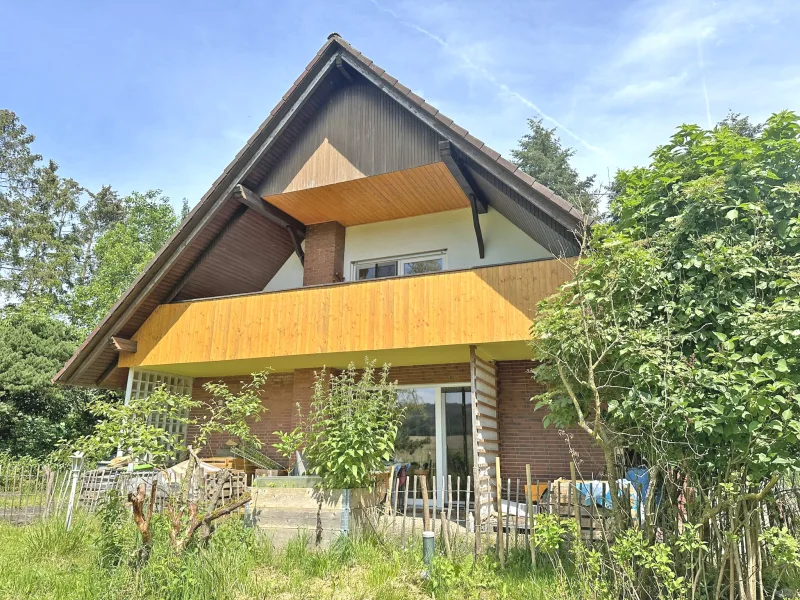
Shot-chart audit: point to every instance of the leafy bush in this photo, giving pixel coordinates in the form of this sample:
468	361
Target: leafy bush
351	426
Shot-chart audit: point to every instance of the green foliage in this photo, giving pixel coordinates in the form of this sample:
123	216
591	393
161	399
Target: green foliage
541	155
784	548
233	412
35	413
132	428
351	426
236	564
687	307
117	534
121	253
678	341
552	532
66	254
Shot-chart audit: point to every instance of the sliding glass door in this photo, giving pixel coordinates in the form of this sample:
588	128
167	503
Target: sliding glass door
458	433
435	440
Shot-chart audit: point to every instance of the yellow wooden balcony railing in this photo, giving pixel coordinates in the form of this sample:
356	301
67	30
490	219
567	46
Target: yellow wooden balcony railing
421	319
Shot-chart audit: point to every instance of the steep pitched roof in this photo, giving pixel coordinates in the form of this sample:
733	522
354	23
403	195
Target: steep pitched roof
533	207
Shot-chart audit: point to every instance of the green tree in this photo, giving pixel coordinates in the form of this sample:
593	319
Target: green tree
541	155
121	253
679	336
34	412
741	125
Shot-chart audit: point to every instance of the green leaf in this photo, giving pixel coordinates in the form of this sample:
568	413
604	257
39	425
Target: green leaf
732	214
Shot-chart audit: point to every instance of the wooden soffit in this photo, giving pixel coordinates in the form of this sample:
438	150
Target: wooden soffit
396	195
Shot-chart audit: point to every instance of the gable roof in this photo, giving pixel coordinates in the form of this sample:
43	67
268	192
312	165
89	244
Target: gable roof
534	208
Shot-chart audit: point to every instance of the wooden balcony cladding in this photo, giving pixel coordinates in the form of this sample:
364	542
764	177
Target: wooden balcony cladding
477	306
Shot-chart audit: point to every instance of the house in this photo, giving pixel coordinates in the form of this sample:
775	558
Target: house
358	221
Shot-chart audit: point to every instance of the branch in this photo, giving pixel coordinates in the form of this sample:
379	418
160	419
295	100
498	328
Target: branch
575	403
754	496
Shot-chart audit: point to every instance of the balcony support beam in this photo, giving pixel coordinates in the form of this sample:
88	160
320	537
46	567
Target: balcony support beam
476	223
251	200
298	249
462	176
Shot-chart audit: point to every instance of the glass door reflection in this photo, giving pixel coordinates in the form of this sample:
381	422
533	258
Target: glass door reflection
415	444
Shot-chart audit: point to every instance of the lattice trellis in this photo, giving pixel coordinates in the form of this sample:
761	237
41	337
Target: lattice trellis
143	383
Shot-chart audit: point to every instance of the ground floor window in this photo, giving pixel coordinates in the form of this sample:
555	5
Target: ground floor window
435	440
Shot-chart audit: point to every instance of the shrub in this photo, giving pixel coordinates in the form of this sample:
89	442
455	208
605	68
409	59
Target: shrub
351	427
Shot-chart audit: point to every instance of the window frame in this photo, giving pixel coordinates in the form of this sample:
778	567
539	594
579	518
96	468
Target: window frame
400	260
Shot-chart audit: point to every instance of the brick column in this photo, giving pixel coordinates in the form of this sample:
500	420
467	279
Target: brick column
324	250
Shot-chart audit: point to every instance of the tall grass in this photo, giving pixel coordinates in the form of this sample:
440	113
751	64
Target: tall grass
44	560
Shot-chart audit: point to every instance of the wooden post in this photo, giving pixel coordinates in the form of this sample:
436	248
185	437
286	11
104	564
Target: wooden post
445	534
426	517
516	516
389	489
575	499
529	514
405	514
477	482
414	509
499	492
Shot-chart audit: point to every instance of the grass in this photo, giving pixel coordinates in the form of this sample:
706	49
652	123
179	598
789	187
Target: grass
44	560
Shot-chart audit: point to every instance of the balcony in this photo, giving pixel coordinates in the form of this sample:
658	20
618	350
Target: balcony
420	319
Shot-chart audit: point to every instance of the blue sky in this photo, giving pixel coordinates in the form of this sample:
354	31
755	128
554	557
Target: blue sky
153	94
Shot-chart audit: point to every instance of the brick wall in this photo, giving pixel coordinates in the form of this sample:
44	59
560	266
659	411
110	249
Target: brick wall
279	400
324	253
523	438
422	374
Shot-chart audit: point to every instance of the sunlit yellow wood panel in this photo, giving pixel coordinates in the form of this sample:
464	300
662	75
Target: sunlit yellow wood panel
489	306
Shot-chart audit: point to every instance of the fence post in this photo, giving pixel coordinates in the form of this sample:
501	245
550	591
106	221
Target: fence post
499	491
77	463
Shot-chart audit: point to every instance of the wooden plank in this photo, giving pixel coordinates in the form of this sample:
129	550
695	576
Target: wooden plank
366	316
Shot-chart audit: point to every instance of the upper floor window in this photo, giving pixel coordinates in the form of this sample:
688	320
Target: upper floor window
412	264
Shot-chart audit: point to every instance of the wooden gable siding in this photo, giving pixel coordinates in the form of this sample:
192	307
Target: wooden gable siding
249	255
359	131
475	306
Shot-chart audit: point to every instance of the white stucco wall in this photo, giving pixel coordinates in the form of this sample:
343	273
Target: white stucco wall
451	231
289	276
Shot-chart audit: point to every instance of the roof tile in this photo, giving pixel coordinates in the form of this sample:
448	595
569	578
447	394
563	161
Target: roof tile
388	78
418	99
402	89
507	164
277	107
489	152
525	177
475	141
289	92
429	108
458	129
377	69
444	119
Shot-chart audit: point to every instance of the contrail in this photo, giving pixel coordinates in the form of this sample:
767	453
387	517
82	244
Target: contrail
490	78
702	65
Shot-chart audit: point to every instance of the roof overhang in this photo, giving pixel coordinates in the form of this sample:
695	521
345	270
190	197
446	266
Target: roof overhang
409	193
